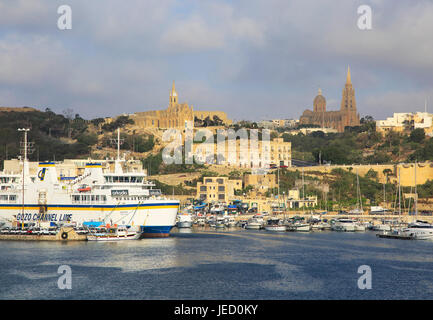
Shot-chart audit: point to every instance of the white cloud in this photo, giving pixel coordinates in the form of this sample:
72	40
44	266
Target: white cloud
250	58
192	34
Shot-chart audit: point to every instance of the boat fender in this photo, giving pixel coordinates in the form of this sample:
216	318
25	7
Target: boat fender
64	235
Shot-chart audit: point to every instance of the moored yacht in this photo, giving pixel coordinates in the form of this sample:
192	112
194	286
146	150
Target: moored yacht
254	223
115	233
184	220
275	225
344	224
418	230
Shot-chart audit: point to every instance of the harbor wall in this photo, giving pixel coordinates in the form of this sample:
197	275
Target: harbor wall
424	171
71	236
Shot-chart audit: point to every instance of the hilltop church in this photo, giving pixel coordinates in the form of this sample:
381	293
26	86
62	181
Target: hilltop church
347	116
176	115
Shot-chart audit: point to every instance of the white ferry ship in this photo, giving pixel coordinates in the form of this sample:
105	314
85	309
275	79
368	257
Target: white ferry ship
113	197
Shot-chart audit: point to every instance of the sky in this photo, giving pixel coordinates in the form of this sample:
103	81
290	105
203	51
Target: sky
253	59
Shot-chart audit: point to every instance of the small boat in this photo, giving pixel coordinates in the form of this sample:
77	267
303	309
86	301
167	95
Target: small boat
356	211
254	224
299	227
275	225
84	188
325	225
375	210
359	226
382	227
201	221
184	221
230	222
115	233
242	223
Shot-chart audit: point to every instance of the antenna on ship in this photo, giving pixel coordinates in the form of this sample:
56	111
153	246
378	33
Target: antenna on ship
26	148
118	141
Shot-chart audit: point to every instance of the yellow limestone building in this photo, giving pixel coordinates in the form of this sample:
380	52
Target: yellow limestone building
175	116
217	188
277	153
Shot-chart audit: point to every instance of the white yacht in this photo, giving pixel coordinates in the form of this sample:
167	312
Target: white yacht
275	225
254	223
299	227
381	227
344	224
230	222
419	230
378	210
184	220
359	226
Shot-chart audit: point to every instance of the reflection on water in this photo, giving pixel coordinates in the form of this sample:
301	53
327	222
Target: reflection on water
220	264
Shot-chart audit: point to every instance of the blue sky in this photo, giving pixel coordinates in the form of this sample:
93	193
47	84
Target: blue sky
252	59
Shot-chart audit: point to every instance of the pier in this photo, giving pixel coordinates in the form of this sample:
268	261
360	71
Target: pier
405	218
64	234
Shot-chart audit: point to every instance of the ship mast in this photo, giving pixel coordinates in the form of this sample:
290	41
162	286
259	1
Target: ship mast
118	141
26	148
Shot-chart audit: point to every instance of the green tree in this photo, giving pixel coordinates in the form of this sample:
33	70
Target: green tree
417	135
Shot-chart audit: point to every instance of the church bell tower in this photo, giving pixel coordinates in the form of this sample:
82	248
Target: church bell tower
173	96
348	103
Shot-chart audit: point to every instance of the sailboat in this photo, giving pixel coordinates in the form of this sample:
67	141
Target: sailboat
358	209
417	230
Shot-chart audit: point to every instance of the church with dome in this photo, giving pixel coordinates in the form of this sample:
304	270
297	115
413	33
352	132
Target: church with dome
347	116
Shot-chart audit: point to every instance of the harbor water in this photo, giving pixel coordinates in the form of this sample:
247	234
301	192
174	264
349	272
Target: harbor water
211	264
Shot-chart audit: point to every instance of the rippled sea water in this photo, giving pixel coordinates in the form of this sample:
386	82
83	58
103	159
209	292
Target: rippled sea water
208	264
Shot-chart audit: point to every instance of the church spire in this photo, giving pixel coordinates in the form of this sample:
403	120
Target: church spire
173	96
348	80
173	89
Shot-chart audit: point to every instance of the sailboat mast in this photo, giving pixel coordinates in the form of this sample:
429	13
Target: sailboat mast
399	192
416	194
358	192
303	190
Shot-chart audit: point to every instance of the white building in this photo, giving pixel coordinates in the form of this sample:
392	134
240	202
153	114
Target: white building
400	122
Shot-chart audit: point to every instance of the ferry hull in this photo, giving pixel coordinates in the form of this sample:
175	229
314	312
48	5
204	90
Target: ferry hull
155	219
155	231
